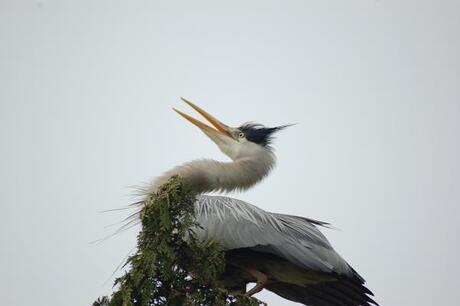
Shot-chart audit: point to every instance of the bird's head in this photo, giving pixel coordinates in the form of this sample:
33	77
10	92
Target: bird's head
247	140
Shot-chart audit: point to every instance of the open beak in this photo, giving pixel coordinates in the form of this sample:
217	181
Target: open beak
217	129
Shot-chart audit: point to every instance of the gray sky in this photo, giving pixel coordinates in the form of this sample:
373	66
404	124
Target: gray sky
86	90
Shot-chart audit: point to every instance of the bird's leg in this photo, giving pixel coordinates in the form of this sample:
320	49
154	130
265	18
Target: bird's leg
261	281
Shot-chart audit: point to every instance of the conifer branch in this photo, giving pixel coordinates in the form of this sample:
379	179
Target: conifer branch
171	266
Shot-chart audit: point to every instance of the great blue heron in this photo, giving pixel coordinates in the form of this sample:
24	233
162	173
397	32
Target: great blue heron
284	254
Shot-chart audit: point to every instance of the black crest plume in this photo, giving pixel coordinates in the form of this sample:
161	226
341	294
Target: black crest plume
260	134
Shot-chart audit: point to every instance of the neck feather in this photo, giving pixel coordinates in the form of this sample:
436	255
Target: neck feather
207	175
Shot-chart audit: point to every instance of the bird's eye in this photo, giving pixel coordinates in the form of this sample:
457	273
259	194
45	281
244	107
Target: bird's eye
241	135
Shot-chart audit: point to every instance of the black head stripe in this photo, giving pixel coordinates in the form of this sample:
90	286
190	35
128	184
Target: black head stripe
260	134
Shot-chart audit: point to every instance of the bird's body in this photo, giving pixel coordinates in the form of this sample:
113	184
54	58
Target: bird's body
285	254
299	262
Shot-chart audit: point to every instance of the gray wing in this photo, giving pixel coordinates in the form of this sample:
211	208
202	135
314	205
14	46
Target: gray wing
236	224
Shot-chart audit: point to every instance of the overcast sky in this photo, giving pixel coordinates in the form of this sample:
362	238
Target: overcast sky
86	90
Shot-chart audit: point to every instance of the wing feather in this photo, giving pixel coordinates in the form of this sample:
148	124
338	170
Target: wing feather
236	224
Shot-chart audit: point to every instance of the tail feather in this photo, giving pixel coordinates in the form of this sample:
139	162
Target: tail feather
357	298
344	291
346	298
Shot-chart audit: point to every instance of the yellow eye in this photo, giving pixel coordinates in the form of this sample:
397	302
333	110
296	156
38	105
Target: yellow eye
241	135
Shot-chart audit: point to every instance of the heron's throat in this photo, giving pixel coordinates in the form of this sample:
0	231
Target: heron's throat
207	175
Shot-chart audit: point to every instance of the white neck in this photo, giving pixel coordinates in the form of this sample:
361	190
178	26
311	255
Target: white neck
207	175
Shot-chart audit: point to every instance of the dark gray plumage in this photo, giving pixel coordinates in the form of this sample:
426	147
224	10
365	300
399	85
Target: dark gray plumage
260	134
